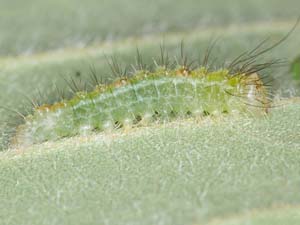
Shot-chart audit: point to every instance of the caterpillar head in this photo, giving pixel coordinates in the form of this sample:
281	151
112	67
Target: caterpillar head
256	92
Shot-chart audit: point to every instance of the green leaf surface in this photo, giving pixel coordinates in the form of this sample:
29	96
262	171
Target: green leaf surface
178	173
36	26
295	68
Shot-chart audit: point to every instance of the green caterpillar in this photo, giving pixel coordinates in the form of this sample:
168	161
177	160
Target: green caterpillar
160	95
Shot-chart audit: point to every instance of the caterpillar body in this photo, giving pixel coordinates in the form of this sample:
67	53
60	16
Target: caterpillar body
160	95
171	90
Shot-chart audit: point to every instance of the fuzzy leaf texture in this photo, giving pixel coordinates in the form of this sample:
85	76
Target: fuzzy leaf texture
178	173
